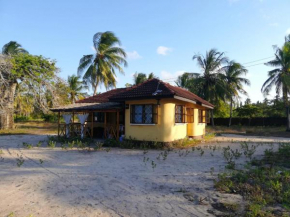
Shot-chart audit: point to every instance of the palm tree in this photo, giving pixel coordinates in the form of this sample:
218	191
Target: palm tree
141	77
280	76
75	88
209	84
100	67
185	79
13	48
232	73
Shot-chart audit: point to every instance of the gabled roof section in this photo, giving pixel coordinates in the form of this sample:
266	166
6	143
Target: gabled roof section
157	89
102	97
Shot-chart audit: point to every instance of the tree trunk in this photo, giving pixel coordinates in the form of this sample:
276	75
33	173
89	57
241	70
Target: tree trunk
231	112
212	121
95	90
7	110
285	98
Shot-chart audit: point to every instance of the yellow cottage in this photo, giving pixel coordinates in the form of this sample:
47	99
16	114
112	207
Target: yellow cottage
151	111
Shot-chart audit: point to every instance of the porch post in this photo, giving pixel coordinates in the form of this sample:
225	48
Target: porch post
92	124
105	124
118	126
58	123
73	114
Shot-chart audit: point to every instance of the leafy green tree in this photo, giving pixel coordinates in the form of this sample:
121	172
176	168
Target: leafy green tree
248	111
101	67
35	74
185	79
209	84
232	75
280	76
75	88
141	77
13	48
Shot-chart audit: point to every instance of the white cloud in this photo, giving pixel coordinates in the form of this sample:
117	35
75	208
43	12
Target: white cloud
133	55
288	31
169	77
162	50
274	24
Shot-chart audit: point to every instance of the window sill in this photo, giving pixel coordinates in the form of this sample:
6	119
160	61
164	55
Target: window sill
142	124
180	124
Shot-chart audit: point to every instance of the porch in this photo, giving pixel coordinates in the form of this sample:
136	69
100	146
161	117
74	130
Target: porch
102	121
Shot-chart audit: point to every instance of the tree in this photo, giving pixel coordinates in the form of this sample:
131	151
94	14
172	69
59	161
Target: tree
139	78
232	73
75	88
248	111
280	76
184	79
13	48
209	84
100	67
35	74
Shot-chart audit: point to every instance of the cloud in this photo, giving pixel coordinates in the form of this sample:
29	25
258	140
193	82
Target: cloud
288	31
274	24
133	55
170	77
163	50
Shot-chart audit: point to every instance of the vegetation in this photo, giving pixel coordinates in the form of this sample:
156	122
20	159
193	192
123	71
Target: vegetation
99	68
141	77
265	183
75	88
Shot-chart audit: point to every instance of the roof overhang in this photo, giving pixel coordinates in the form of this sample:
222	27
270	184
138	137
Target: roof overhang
192	101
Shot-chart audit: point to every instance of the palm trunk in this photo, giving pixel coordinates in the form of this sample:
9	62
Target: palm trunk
7	111
285	98
231	112
212	121
95	90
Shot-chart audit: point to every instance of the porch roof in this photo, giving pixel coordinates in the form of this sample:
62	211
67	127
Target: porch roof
80	107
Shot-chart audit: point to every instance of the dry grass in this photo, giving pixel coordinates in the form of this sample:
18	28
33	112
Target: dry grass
32	127
250	130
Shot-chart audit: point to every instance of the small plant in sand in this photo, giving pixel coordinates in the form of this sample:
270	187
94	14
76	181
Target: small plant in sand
41	161
39	144
27	145
248	150
153	164
108	149
1	151
51	144
71	144
20	161
98	146
11	214
162	155
145	160
211	170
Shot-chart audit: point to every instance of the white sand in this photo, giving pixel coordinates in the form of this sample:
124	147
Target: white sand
114	183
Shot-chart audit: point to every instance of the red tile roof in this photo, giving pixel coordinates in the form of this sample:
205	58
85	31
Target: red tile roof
147	89
102	97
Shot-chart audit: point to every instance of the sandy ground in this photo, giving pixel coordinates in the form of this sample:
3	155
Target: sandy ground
113	183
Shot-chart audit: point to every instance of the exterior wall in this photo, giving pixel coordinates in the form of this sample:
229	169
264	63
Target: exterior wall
166	130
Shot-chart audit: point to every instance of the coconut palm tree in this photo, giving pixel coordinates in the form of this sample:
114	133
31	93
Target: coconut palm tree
141	77
13	48
75	88
231	74
101	67
209	84
280	76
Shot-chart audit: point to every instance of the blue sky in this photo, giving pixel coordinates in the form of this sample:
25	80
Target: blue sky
158	36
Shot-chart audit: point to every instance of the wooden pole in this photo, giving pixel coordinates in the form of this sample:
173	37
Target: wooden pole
118	126
105	123
73	117
92	125
58	123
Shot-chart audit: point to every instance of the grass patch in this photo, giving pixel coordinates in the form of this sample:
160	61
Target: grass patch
31	127
265	184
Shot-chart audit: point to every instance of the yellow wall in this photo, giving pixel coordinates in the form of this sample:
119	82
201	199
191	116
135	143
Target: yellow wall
166	130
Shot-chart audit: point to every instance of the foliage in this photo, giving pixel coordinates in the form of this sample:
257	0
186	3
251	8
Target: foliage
265	187
248	111
141	77
75	88
100	67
